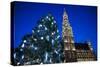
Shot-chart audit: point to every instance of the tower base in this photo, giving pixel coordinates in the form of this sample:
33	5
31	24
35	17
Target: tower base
70	56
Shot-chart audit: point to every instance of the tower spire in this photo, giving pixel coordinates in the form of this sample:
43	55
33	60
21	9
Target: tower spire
65	14
67	33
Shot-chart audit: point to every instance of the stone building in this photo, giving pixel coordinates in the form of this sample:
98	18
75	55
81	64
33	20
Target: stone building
74	51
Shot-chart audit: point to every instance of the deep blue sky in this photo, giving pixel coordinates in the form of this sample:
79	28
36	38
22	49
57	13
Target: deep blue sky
83	20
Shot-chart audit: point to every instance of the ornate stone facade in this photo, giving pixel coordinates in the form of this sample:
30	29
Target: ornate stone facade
74	51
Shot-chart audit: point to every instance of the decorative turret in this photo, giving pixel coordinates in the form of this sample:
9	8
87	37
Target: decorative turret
89	44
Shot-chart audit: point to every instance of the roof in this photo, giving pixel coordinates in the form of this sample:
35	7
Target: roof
82	46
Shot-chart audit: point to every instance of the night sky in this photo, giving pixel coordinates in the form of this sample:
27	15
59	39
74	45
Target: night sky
83	20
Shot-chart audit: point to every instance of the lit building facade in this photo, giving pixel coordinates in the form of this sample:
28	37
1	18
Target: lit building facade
74	51
84	52
67	34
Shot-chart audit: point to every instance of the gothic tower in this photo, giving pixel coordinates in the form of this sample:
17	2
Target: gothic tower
67	34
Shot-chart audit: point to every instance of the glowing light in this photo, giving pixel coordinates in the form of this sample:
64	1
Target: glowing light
22	56
38	30
50	60
40	25
58	36
21	49
42	20
52	17
42	38
73	49
66	48
52	42
47	37
35	48
45	28
54	21
27	62
47	17
57	30
23	45
35	39
53	33
32	31
65	41
46	56
41	63
18	63
56	52
24	41
91	48
14	55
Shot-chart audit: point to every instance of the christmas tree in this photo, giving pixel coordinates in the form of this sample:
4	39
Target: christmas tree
43	46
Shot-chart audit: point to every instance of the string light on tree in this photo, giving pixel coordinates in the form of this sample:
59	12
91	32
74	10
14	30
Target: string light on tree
41	46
